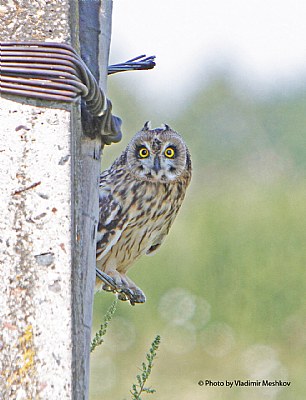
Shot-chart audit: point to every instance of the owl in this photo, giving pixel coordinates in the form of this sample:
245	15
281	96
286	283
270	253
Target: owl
139	198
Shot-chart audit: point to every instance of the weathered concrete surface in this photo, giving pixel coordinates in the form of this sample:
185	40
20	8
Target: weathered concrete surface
35	252
36	223
35	20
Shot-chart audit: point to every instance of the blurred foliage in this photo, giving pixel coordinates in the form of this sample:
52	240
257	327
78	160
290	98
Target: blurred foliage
227	289
140	388
99	336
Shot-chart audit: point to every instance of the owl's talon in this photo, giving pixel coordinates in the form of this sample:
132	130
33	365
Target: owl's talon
122	296
108	288
125	294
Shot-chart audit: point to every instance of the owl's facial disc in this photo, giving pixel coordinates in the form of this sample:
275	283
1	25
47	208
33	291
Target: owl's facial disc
157	155
156	162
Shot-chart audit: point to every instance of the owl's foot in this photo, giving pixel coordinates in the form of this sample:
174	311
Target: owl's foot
120	284
134	296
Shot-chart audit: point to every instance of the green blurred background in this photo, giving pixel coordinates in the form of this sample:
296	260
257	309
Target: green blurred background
226	291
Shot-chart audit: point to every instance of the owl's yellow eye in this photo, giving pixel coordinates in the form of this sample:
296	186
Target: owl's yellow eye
143	152
169	152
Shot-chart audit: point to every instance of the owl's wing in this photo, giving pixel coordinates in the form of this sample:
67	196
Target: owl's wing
157	242
111	223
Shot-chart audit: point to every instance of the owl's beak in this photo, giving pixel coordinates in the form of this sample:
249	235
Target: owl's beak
156	166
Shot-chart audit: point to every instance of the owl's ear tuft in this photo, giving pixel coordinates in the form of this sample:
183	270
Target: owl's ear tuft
167	127
147	126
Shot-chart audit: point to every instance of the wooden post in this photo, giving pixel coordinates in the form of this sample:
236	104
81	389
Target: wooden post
48	215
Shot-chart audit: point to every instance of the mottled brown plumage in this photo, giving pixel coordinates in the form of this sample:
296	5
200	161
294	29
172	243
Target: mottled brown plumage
140	195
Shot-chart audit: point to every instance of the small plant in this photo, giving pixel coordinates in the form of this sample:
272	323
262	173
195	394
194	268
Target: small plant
138	389
98	339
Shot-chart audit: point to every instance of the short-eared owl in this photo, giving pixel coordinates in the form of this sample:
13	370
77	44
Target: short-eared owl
140	195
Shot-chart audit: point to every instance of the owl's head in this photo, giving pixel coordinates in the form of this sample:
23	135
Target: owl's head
158	155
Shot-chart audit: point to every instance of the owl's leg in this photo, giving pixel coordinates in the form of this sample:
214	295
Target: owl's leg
108	284
112	281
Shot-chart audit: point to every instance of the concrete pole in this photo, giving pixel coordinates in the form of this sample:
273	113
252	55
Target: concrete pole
48	216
